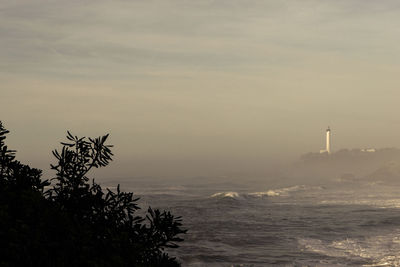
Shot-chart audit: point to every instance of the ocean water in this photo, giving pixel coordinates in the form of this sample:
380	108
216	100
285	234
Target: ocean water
239	224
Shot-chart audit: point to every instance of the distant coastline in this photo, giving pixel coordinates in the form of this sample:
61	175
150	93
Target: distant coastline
350	165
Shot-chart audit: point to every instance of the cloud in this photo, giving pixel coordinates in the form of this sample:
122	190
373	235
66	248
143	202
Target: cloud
110	39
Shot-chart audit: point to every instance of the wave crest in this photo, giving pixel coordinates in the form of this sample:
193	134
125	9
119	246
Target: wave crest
226	195
284	191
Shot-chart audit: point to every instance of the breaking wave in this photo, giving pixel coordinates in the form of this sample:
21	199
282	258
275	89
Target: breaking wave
226	195
285	191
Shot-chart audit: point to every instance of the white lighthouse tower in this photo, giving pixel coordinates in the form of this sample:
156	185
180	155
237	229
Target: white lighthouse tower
328	140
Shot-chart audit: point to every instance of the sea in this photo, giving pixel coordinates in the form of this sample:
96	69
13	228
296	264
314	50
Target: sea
252	223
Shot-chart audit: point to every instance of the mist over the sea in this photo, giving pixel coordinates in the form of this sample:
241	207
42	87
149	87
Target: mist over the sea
327	222
323	209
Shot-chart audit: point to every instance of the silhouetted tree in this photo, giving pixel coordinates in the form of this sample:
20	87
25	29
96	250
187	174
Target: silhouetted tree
75	222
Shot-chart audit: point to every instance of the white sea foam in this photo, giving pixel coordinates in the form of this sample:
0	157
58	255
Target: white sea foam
269	193
372	201
283	191
225	195
381	250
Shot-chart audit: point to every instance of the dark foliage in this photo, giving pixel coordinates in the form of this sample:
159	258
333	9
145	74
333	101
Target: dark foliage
71	221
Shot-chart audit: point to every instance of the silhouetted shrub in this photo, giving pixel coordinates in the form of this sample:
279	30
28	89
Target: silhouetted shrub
72	222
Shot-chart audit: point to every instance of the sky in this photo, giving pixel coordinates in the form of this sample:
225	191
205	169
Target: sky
197	88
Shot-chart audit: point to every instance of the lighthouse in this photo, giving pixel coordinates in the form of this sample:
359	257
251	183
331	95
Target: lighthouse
328	140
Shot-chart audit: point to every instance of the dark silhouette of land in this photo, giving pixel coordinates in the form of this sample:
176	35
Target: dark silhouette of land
71	221
351	165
